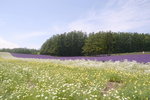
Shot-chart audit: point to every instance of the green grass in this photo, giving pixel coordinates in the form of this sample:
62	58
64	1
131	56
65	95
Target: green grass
34	80
132	53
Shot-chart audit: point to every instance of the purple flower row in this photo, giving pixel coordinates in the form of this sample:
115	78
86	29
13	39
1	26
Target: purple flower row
143	58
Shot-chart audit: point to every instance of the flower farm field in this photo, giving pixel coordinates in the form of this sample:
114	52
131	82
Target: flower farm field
48	79
142	58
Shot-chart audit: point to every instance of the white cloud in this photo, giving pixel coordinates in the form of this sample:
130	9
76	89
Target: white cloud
23	36
117	15
33	46
7	44
58	29
29	35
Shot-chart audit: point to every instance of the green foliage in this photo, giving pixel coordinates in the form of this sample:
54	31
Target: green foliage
116	42
77	43
147	42
94	44
67	44
50	46
20	50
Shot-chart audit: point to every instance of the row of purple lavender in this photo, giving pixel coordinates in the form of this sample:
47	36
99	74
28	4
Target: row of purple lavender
143	58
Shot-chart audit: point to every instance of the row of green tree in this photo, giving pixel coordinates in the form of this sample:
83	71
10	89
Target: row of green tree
77	43
21	50
67	44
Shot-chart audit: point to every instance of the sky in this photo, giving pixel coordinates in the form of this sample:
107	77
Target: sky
29	23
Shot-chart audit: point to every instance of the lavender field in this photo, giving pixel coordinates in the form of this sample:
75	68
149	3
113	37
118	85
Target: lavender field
142	58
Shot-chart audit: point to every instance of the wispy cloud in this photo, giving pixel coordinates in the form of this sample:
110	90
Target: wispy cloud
29	35
117	15
7	44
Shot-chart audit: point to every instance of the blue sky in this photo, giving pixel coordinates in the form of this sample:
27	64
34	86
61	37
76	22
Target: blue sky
29	23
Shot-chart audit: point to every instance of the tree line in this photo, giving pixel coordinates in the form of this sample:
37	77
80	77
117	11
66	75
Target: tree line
67	44
78	43
21	50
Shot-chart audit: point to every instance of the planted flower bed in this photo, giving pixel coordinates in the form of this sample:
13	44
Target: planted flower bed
142	58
